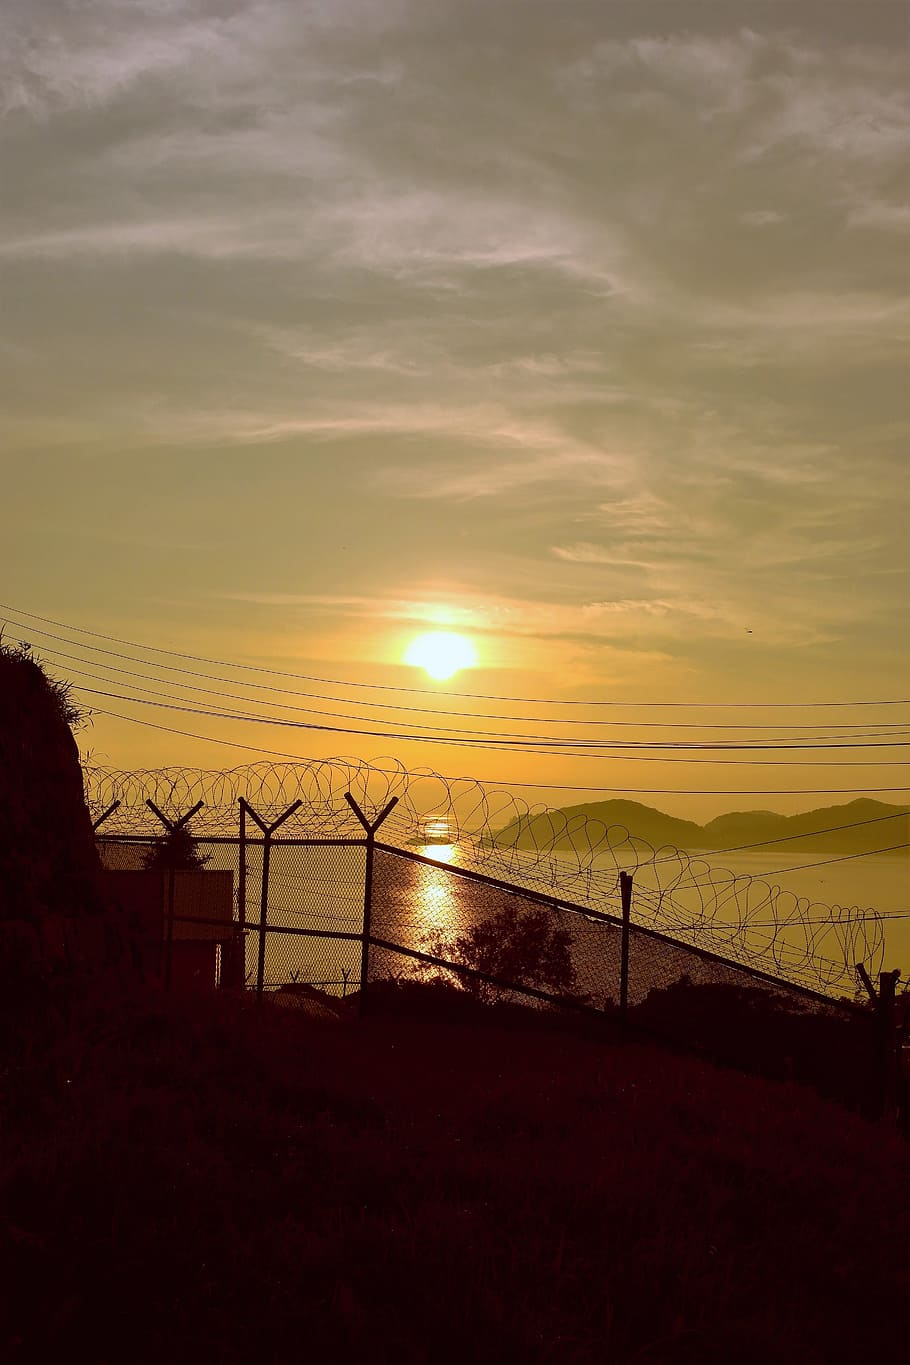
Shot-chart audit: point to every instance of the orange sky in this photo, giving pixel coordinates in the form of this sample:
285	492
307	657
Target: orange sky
580	330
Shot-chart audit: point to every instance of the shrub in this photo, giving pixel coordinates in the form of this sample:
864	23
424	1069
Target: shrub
176	849
518	948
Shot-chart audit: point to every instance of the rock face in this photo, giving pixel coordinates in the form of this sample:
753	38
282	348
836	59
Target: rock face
51	896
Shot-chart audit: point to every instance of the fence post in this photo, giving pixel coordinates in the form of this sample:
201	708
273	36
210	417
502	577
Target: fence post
887	1057
625	891
96	824
237	974
241	868
370	828
890	1057
171	826
267	832
263	912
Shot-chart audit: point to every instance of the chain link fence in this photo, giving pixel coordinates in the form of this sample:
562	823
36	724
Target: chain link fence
311	921
437	923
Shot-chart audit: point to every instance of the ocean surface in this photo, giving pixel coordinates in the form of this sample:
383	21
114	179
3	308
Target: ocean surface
322	888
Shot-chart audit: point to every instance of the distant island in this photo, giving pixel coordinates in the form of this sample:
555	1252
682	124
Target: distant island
569	828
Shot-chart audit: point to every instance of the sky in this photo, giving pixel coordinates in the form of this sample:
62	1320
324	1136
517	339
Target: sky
579	328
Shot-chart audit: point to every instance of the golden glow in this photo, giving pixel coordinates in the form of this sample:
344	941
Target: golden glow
437	830
436	903
441	653
440	853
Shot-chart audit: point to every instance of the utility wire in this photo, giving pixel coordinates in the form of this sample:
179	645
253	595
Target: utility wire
866	731
549	747
861	918
56	655
119	673
825	862
543	786
696	854
426	691
500	737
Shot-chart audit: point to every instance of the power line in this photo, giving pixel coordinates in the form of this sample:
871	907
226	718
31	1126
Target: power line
868	732
557	747
824	862
484	734
543	786
386	706
425	691
834	921
696	854
501	740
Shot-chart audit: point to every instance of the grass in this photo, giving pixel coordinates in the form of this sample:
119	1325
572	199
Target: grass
202	1180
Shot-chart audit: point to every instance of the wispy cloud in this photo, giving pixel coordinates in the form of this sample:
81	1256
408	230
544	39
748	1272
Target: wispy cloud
626	287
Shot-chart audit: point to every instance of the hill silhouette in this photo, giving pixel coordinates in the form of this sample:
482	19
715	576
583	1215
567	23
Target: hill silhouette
815	831
250	1183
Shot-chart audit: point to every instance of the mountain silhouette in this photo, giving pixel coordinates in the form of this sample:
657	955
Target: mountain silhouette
578	827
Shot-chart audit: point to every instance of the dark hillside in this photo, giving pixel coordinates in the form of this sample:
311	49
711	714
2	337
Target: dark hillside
212	1182
808	831
48	862
52	907
576	826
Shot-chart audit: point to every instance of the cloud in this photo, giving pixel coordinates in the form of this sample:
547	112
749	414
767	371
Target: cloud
605	304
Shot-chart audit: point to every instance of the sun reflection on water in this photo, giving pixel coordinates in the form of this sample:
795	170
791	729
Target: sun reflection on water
436	903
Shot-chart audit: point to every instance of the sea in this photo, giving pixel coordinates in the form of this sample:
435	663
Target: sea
322	888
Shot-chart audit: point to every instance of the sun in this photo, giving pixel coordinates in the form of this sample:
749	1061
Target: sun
441	653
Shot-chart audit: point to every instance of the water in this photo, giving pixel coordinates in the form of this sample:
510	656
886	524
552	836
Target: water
322	888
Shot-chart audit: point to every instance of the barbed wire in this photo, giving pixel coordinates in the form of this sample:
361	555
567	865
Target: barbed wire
573	859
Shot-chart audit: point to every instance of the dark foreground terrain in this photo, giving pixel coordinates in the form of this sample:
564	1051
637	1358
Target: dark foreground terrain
207	1181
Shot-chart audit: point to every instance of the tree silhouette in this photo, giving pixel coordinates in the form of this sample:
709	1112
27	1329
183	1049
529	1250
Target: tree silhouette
520	948
176	849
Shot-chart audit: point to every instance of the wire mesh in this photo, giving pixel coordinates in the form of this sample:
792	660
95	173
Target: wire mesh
716	961
746	919
437	909
314	916
491	940
313	913
432	921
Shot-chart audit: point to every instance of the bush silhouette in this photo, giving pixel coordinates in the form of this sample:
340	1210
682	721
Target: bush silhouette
758	1029
522	949
177	849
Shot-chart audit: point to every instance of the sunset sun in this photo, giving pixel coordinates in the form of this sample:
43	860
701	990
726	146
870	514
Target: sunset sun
441	654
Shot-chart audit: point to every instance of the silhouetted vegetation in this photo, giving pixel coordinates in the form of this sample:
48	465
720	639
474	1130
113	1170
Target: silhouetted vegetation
761	1031
514	946
20	657
207	1181
176	849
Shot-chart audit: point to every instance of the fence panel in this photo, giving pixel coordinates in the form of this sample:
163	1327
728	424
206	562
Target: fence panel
314	911
434	921
422	906
430	919
315	894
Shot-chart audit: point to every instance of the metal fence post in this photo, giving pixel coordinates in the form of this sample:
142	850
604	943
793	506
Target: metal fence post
96	824
370	828
886	1041
241	869
367	917
267	832
625	890
263	912
890	1057
238	945
171	826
